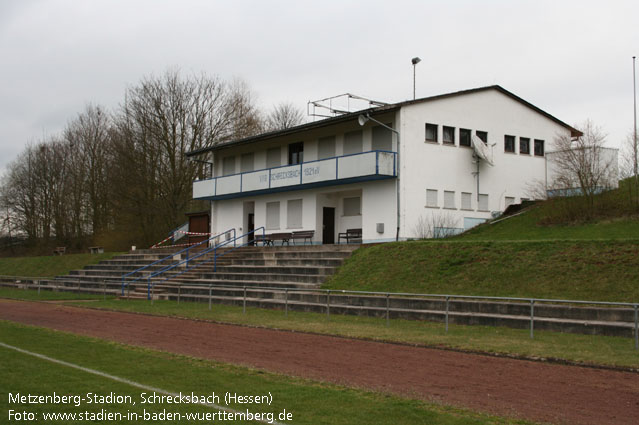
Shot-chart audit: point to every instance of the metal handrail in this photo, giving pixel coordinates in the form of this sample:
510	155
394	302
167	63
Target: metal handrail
125	283
206	251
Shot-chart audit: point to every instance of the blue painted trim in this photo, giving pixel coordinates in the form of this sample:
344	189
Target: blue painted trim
377	163
298	187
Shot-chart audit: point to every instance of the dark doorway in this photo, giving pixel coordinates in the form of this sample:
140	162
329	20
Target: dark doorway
328	226
199	222
250	228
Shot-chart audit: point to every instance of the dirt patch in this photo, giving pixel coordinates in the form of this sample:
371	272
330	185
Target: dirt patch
524	389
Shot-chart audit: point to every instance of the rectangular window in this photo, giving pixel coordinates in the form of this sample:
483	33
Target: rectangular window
466	201
483	135
524	145
274	157
509	200
464	137
228	166
382	138
353	142
352	206
431	132
509	144
539	147
448	135
296	153
247	162
431	198
326	147
272	215
294	214
482	203
449	199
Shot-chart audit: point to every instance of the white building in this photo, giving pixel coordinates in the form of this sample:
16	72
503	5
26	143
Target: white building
335	174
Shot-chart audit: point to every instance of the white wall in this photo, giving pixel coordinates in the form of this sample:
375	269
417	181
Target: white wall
442	167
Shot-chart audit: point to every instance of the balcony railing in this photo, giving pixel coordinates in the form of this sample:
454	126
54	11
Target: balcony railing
372	165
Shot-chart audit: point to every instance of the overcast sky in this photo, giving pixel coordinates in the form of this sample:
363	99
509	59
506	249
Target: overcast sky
572	59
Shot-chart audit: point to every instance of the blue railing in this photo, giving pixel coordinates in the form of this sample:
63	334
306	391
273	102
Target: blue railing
297	178
126	283
186	261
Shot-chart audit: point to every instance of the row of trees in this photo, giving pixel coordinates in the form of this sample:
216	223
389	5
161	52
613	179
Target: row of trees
119	178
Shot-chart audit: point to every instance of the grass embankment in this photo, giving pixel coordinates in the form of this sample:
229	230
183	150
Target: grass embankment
309	402
49	266
31	294
580	270
590	349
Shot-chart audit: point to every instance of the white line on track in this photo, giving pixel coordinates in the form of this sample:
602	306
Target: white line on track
122	380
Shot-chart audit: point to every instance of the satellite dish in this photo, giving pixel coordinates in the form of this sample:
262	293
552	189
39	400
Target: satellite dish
482	150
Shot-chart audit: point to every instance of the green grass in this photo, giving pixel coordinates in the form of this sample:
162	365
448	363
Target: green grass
526	227
580	270
49	266
32	294
590	349
309	402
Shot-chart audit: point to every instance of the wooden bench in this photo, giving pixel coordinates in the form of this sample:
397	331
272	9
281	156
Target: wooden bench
304	235
96	250
59	250
271	238
350	234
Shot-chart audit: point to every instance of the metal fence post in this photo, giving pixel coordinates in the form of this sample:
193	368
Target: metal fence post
244	302
179	292
636	326
286	302
152	294
387	309
447	300
328	303
104	289
38	283
532	319
210	296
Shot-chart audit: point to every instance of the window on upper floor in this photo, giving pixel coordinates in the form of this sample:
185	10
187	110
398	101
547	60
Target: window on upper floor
296	153
539	147
431	198
326	147
464	137
509	144
382	138
228	166
247	162
483	135
431	132
353	142
524	145
448	135
274	157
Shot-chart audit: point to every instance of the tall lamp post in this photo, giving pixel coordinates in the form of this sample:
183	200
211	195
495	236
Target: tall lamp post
362	119
634	145
414	61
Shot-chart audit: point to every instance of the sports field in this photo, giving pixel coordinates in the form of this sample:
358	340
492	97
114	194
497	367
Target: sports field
128	383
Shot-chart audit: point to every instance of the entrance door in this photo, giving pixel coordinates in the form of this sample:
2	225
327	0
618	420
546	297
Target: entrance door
328	226
250	228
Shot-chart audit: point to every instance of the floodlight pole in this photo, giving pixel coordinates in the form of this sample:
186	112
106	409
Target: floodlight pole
414	61
362	120
634	145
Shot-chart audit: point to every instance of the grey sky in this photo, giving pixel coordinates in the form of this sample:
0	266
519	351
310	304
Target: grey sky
570	58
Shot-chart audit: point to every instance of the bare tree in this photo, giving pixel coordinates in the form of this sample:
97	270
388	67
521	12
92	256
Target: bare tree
283	116
583	165
435	225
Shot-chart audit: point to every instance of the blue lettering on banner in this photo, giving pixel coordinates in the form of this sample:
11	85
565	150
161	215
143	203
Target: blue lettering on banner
285	175
311	171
